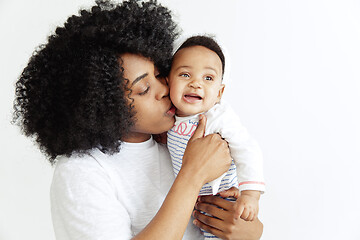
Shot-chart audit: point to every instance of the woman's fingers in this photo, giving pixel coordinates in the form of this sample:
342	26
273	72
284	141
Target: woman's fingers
208	220
218	207
218	227
212	225
208	229
217	201
200	130
211	209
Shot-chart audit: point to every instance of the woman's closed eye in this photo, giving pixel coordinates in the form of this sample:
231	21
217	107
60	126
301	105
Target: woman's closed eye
145	90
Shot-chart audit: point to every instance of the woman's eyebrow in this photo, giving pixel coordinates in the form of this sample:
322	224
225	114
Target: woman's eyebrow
139	78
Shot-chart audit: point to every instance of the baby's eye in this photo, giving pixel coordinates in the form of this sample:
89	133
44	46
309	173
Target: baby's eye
208	78
184	75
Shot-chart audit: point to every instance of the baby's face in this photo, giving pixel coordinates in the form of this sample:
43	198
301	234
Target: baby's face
195	80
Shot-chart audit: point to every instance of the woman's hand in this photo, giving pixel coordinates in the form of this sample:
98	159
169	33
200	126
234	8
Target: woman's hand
226	224
206	157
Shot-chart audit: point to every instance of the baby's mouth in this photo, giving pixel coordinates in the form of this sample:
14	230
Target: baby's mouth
192	98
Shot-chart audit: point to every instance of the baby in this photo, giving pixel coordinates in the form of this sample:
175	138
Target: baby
195	82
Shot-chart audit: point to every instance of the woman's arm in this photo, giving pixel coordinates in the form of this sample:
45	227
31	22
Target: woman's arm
228	225
205	159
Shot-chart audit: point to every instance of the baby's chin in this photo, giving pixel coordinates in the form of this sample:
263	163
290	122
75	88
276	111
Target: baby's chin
187	113
186	109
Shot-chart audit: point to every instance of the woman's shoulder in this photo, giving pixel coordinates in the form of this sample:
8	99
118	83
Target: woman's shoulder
79	174
77	160
78	165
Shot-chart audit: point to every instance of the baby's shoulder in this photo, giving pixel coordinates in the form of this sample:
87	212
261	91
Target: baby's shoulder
220	111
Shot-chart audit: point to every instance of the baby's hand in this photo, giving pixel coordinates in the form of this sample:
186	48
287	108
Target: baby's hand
247	205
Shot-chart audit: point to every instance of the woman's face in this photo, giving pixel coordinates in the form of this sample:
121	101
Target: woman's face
150	94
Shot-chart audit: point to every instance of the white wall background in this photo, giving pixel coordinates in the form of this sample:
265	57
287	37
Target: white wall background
295	82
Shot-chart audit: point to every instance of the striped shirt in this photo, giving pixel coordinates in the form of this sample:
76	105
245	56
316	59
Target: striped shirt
177	139
245	171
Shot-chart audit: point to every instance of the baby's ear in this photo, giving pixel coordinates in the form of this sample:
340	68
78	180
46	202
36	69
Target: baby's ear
221	91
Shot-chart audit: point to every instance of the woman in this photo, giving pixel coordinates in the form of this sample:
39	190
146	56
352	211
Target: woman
92	97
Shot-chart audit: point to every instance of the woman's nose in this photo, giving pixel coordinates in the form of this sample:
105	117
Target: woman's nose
162	89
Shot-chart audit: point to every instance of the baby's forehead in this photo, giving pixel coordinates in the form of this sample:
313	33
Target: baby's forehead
197	55
195	52
193	48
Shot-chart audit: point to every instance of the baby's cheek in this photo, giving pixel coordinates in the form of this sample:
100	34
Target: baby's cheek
174	97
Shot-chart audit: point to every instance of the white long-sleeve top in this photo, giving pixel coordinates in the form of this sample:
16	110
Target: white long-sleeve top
246	154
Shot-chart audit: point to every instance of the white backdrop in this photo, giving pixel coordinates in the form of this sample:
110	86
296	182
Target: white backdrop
294	80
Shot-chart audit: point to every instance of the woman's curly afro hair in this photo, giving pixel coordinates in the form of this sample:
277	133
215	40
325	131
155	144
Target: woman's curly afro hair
72	97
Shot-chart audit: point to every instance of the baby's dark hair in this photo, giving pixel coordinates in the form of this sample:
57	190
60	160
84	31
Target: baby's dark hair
207	42
72	96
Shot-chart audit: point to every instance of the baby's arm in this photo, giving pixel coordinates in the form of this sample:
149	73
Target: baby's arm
243	148
247	158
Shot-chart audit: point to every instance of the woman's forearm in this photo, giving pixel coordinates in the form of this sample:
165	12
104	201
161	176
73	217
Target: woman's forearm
205	159
171	220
